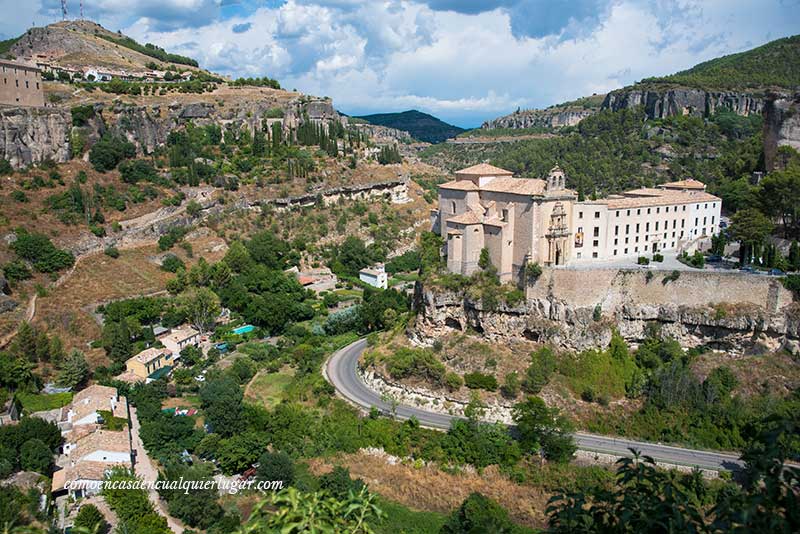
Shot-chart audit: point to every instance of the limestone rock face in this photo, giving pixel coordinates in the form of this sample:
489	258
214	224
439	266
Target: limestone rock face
32	135
540	118
683	101
579	310
781	125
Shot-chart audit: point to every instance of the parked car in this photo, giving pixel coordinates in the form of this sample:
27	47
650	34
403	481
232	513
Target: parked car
714	258
747	269
776	272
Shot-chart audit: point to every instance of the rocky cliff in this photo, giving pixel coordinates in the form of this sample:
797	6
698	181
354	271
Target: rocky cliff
660	104
781	125
32	135
552	118
579	310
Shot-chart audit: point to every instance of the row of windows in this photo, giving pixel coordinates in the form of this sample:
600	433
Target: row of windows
639	210
5	82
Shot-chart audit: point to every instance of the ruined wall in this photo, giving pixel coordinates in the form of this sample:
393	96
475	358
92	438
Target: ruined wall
730	311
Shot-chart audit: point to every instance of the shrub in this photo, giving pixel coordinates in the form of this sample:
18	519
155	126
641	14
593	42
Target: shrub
82	114
276	466
40	251
478	380
543	364
671	277
658	257
90	518
111	252
16	271
532	272
643	260
109	151
5	167
479	514
511	386
19	196
421	363
138	170
172	263
453	381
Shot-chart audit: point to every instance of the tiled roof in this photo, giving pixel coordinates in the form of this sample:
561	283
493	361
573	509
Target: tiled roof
102	440
80	471
666	198
484	169
691	183
461	185
518	186
91	399
181	334
148	355
468	217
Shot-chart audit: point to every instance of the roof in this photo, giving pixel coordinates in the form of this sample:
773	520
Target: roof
18	65
305	280
129	377
461	185
158	373
93	391
79	432
517	186
665	197
468	217
148	355
80	471
484	169
691	183
91	399
181	334
102	440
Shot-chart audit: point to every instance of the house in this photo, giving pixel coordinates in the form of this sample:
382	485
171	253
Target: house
86	403
317	280
520	221
81	480
21	84
10	411
150	362
374	276
179	339
105	446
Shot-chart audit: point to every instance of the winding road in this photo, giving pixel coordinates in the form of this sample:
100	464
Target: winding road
341	371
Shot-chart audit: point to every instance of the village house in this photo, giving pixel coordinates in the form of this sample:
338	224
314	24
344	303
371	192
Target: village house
180	338
521	221
21	84
83	410
151	363
375	276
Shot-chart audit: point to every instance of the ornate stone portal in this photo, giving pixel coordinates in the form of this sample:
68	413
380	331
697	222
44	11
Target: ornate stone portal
557	236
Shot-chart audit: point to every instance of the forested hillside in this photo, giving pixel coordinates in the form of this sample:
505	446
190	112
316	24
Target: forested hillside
776	63
420	125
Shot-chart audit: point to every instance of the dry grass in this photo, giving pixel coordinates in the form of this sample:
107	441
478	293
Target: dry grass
430	489
777	373
266	389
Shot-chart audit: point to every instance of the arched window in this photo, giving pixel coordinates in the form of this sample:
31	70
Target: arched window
453	206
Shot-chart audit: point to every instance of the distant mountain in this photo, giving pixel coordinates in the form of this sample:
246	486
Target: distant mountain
775	64
420	125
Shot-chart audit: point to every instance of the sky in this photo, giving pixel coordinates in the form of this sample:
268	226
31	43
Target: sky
464	61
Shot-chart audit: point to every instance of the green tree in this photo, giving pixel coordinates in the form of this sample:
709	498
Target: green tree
202	306
477	514
221	400
779	193
36	456
74	371
538	373
794	256
544	429
273	466
751	228
90	518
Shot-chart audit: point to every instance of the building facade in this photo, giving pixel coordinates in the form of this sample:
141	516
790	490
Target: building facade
21	84
522	220
375	276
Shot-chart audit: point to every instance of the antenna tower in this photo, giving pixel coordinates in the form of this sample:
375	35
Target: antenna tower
63	9
81	9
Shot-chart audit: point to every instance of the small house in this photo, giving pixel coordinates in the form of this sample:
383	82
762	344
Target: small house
179	339
374	276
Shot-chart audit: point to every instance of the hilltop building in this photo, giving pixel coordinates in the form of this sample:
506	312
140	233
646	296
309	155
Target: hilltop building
21	84
522	220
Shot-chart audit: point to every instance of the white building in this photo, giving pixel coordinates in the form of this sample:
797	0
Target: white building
179	339
374	276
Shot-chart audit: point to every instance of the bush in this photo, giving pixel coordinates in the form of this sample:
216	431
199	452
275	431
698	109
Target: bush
36	456
5	167
82	114
138	170
480	381
19	196
39	250
658	257
671	277
90	518
16	271
421	363
453	381
276	466
479	514
112	252
109	151
172	263
643	260
543	364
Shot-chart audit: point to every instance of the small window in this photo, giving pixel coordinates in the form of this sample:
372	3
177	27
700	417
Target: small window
637	228
596	231
638	212
615	241
616	230
505	215
594	254
656	226
626	251
26	85
628	213
597	215
636	249
627	228
648	211
615	252
580	215
595	243
453	207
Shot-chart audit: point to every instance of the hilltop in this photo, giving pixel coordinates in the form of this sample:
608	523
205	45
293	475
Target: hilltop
420	125
82	43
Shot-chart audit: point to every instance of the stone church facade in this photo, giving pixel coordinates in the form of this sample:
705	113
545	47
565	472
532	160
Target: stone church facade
524	220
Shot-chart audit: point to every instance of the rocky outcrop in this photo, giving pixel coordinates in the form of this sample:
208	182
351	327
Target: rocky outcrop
781	126
32	135
382	134
552	118
579	310
660	104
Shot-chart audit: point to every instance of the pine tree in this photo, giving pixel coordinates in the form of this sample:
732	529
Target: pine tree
42	347
25	342
74	371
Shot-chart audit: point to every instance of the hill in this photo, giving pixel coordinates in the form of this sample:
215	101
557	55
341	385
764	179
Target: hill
420	125
82	43
775	64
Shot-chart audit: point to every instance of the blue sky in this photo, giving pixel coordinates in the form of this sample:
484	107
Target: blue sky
462	60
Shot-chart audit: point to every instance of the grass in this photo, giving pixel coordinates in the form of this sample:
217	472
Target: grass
348	294
34	402
111	422
402	520
267	389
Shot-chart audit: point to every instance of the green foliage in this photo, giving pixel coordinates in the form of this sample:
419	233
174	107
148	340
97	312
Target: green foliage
420	125
643	260
257	82
609	373
420	363
221	400
406	262
389	154
532	272
16	271
173	236
543	364
773	64
198	507
90	518
149	49
544	430
138	170
338	483
273	466
453	381
5	167
19	196
171	263
479	514
36	456
40	251
82	114
479	380
111	252
74	371
109	151
511	386
132	506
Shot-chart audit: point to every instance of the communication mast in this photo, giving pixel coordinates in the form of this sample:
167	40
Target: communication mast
63	9
81	9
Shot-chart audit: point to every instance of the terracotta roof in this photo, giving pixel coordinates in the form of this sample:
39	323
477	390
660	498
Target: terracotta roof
691	183
80	471
80	431
305	280
129	377
494	221
102	440
484	169
517	186
148	355
461	185
181	334
95	390
666	198
91	399
468	217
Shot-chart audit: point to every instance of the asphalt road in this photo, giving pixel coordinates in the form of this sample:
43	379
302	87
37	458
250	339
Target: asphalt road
341	370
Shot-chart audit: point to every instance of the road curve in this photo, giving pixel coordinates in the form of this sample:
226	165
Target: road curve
341	372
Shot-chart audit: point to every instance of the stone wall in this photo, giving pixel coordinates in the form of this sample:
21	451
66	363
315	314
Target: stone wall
578	309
